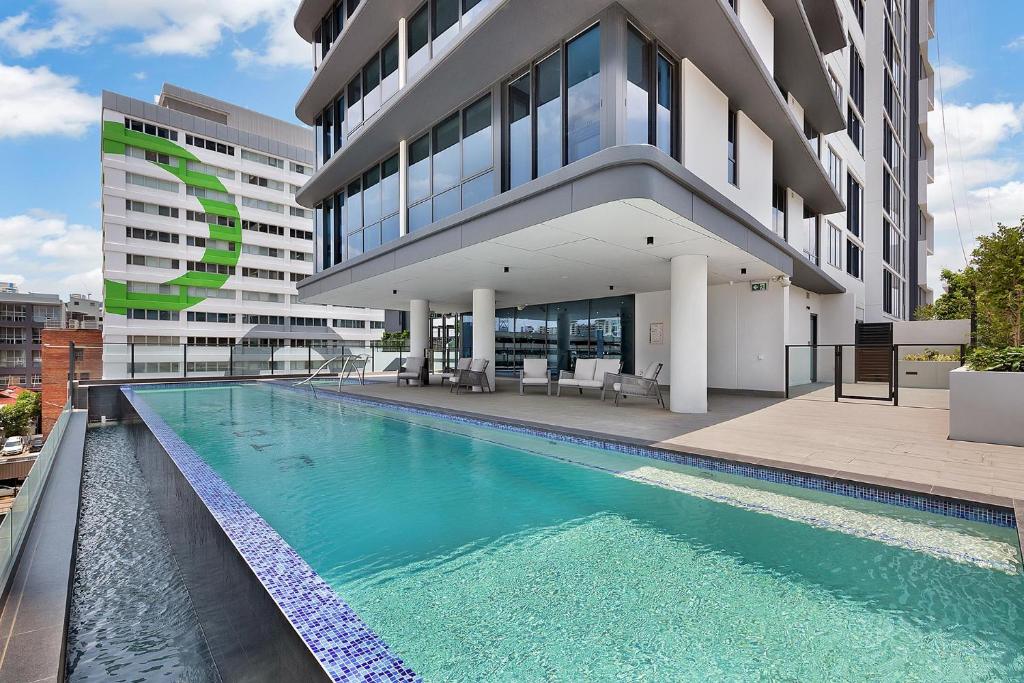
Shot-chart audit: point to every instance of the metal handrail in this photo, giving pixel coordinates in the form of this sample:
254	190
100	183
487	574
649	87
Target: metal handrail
317	372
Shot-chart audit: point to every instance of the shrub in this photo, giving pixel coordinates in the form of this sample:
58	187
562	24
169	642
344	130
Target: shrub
1010	359
17	417
932	354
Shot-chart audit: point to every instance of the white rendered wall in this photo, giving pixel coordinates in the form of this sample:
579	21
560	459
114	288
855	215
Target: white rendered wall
652	307
759	24
483	328
747	337
419	326
705	145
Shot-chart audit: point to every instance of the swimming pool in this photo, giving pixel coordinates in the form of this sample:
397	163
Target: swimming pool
481	554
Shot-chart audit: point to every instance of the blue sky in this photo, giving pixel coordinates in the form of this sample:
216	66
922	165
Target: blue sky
56	56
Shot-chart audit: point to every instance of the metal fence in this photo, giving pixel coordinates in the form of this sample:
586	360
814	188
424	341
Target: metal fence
872	372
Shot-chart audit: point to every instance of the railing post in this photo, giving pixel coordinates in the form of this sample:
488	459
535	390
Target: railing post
895	376
837	379
231	361
309	358
272	347
963	354
71	374
133	360
184	360
787	370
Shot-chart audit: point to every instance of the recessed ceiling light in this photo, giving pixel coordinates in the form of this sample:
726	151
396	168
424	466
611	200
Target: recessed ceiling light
650	240
506	269
565	277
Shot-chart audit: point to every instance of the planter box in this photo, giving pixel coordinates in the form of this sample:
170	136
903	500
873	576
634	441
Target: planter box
986	406
926	374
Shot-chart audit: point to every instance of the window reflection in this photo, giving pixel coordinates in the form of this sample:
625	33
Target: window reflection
638	88
445	162
583	67
419	169
520	133
418	35
445	23
476	138
664	129
355	104
371	87
549	114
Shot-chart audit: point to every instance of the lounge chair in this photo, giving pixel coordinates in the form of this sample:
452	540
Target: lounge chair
453	377
589	374
475	376
644	385
412	371
534	373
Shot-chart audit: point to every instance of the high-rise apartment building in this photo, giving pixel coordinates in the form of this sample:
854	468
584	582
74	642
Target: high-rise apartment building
23	317
697	183
204	244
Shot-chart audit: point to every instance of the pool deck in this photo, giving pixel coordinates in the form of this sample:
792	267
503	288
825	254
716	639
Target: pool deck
905	447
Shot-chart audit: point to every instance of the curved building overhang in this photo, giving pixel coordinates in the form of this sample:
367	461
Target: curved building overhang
484	54
659	198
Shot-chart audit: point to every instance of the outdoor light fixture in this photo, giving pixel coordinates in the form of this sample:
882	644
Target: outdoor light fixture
611	288
743	271
650	240
394	291
506	269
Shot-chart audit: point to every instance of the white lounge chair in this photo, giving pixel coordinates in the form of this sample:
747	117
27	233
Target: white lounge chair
534	373
412	370
589	374
475	376
644	385
453	377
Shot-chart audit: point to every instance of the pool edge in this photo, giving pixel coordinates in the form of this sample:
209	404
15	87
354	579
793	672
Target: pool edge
335	638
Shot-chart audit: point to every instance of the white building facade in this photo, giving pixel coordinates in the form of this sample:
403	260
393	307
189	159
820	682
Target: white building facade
698	184
204	245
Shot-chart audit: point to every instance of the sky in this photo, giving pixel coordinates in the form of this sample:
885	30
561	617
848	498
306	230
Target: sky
56	56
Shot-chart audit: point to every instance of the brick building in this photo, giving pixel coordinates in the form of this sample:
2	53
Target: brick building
55	360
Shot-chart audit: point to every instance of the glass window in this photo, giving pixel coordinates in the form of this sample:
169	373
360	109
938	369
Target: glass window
583	67
327	232
419	216
638	88
445	23
339	123
389	229
417	35
445	163
355	244
548	95
319	138
321	247
389	186
371	237
732	168
339	226
811	223
447	203
664	128
520	134
371	87
317	52
854	205
355	103
478	189
328	133
467	10
389	69
354	202
371	196
419	169
476	137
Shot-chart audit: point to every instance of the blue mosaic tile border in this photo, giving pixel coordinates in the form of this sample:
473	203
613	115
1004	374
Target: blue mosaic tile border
949	507
344	645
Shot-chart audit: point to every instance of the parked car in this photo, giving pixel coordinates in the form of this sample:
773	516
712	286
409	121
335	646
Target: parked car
35	444
13	446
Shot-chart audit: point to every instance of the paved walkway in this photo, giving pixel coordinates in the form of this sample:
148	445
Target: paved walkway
904	447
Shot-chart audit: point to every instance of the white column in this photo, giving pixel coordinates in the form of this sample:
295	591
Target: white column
419	326
483	329
403	188
403	52
688	337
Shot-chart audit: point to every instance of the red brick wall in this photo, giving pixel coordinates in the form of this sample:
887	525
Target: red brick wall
89	344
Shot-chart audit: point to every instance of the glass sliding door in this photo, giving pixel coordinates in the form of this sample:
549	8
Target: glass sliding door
548	95
638	88
583	92
520	132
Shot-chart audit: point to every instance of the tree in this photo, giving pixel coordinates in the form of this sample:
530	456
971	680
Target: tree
16	418
999	260
992	284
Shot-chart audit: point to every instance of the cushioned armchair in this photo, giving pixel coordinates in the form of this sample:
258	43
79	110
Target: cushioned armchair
644	385
475	376
412	370
534	373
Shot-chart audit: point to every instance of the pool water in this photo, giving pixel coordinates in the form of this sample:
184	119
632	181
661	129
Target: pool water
131	616
480	554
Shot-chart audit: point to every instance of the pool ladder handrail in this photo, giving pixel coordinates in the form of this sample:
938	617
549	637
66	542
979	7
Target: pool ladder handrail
345	372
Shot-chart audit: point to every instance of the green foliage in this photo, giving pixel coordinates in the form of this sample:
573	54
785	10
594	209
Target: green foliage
395	340
997	360
16	418
993	284
932	354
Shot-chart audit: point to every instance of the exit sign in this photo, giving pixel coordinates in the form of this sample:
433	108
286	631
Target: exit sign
758	286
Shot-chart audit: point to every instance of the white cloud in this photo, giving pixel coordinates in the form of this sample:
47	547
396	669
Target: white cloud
40	102
951	75
979	180
140	75
44	253
1015	44
185	27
